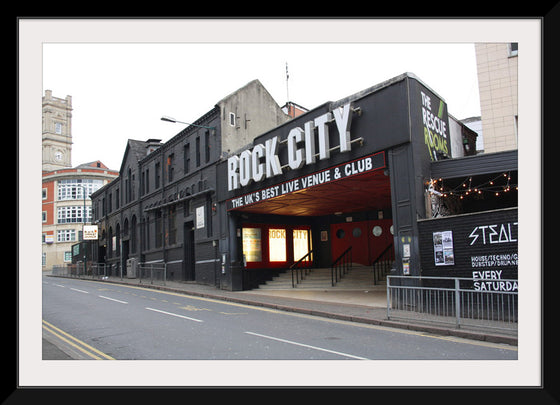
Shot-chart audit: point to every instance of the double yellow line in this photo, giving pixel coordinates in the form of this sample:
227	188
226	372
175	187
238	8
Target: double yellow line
83	347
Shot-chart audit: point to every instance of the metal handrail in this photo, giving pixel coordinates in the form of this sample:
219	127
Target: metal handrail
300	274
387	254
339	269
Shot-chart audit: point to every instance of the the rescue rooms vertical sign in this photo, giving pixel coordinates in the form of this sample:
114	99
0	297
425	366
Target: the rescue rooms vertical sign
435	126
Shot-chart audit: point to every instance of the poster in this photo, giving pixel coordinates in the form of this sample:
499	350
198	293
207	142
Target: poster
443	248
252	244
200	217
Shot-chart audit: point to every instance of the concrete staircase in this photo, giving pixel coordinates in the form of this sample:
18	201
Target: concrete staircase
359	277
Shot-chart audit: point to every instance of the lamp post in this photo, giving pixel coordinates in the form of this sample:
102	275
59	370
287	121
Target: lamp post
83	223
173	120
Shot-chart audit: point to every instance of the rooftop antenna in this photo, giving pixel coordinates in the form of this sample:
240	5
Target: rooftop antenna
287	89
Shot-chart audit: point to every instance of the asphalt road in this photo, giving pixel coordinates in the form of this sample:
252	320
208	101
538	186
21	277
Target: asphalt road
93	320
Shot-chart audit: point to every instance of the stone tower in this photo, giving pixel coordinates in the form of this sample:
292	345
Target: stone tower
57	132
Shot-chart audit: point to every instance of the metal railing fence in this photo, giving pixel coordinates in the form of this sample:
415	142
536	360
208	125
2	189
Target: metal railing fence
464	302
152	272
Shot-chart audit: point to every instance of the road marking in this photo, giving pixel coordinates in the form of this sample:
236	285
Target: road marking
75	343
308	346
59	285
320	318
172	314
112	299
82	291
193	308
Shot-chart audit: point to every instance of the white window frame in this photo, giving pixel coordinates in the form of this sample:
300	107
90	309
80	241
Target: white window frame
73	214
66	235
73	189
512	53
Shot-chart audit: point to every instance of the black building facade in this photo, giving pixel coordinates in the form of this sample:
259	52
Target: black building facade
163	207
233	210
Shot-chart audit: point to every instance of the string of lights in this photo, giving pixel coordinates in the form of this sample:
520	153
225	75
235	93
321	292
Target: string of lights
497	186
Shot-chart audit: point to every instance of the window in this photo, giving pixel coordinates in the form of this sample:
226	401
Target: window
73	214
159	230
172	228
197	151
66	235
73	189
187	157
133	226
170	168
147	181
145	233
232	119
132	185
512	49
128	187
158	172
58	128
44	216
44	196
207	146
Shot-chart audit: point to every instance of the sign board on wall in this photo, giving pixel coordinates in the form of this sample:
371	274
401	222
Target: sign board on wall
481	246
90	232
435	125
366	164
200	217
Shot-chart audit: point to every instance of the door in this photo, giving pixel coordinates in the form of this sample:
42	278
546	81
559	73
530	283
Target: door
188	251
380	237
353	234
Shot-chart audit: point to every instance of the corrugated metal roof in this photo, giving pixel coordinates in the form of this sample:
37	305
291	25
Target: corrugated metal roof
473	165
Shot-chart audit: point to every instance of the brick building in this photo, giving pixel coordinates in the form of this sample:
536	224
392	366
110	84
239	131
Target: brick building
497	83
66	206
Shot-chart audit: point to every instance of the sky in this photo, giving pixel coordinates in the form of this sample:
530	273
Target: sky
120	91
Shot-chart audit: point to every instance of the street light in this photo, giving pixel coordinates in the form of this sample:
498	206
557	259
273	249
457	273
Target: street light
173	120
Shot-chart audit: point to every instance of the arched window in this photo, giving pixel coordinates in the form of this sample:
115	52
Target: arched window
133	235
118	241
110	243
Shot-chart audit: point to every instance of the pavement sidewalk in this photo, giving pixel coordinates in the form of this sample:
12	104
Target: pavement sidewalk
364	306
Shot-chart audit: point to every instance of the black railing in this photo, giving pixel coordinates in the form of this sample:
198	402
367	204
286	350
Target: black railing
341	265
383	263
300	272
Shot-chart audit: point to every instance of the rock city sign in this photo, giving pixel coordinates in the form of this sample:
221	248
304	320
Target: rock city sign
262	162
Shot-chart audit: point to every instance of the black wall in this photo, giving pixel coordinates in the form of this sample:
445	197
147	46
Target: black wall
484	245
